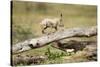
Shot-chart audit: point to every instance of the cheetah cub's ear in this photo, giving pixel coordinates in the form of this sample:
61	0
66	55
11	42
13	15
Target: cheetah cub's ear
61	17
61	14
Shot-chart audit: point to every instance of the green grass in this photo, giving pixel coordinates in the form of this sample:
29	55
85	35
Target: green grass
27	16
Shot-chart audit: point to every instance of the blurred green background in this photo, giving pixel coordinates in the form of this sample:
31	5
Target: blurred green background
26	17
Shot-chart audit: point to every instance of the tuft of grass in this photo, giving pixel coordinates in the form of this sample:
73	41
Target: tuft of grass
54	55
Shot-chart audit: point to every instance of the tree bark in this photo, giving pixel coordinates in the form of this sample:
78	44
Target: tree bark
77	45
58	35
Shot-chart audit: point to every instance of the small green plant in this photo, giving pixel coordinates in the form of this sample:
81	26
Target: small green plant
54	55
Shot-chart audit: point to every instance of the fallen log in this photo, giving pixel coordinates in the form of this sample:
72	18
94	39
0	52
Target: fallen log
88	53
77	45
58	35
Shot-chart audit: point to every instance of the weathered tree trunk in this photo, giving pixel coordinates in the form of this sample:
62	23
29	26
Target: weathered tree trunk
88	53
58	35
77	45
